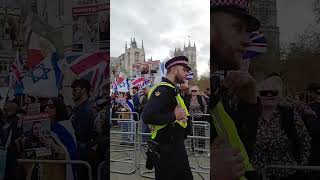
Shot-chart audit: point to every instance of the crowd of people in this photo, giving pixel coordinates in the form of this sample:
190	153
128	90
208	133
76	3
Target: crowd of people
46	128
124	103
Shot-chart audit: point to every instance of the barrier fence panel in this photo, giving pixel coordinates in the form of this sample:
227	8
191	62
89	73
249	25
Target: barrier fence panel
128	146
100	169
64	162
143	135
298	168
199	150
201	143
123	145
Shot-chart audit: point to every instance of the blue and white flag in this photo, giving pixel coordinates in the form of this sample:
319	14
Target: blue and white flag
44	79
63	133
162	73
124	86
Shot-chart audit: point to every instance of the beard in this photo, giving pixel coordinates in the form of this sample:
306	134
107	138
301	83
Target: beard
179	80
76	98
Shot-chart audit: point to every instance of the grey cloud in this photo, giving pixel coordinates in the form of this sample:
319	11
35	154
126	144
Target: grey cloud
147	20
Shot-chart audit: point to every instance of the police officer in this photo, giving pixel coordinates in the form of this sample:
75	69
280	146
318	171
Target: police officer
167	116
230	24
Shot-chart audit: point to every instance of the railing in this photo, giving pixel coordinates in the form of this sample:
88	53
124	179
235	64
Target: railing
298	168
71	162
197	145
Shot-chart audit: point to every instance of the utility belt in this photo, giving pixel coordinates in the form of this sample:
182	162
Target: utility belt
171	134
157	145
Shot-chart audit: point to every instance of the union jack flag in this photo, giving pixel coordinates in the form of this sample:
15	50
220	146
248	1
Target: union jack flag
190	75
90	66
138	82
257	46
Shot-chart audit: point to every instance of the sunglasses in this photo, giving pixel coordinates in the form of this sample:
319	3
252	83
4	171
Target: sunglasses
194	91
269	93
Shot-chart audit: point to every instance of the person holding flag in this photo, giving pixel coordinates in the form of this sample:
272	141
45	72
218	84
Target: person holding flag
234	125
167	115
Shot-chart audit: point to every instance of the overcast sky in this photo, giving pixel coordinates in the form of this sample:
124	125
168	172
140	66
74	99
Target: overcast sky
293	18
162	25
166	24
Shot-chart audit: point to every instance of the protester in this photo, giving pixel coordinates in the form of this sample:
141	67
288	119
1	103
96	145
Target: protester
282	137
127	125
136	99
197	107
143	98
312	116
83	122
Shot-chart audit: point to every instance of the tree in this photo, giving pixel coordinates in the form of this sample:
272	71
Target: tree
203	82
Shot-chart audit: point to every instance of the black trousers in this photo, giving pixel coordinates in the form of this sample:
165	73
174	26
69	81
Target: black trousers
174	163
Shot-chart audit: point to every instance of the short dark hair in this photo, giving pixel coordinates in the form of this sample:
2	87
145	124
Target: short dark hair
83	84
136	88
128	95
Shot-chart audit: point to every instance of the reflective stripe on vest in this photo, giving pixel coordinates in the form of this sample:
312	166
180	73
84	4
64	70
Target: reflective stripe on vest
155	128
225	127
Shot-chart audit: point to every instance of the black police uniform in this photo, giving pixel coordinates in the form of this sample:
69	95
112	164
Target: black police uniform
159	110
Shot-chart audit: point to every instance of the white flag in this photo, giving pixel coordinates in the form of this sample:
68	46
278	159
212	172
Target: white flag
42	80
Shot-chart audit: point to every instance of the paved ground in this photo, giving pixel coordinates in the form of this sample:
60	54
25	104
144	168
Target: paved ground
127	157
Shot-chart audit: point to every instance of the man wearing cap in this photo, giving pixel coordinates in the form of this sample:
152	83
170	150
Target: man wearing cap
234	126
167	116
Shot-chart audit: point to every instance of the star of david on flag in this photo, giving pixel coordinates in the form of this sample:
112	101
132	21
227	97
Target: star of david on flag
40	72
45	78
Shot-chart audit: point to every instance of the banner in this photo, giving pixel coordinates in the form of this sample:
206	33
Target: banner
36	129
91	25
90	9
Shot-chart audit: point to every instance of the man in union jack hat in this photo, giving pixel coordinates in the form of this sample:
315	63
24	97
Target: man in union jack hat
233	124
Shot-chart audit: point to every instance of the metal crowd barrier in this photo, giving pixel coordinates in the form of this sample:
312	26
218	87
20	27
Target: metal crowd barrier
123	146
298	168
201	137
99	169
199	146
71	162
142	148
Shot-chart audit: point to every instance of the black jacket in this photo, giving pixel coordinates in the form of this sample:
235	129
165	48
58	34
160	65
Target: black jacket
159	110
245	117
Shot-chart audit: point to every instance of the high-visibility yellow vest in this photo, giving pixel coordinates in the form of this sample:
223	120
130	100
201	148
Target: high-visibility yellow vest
155	128
225	126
